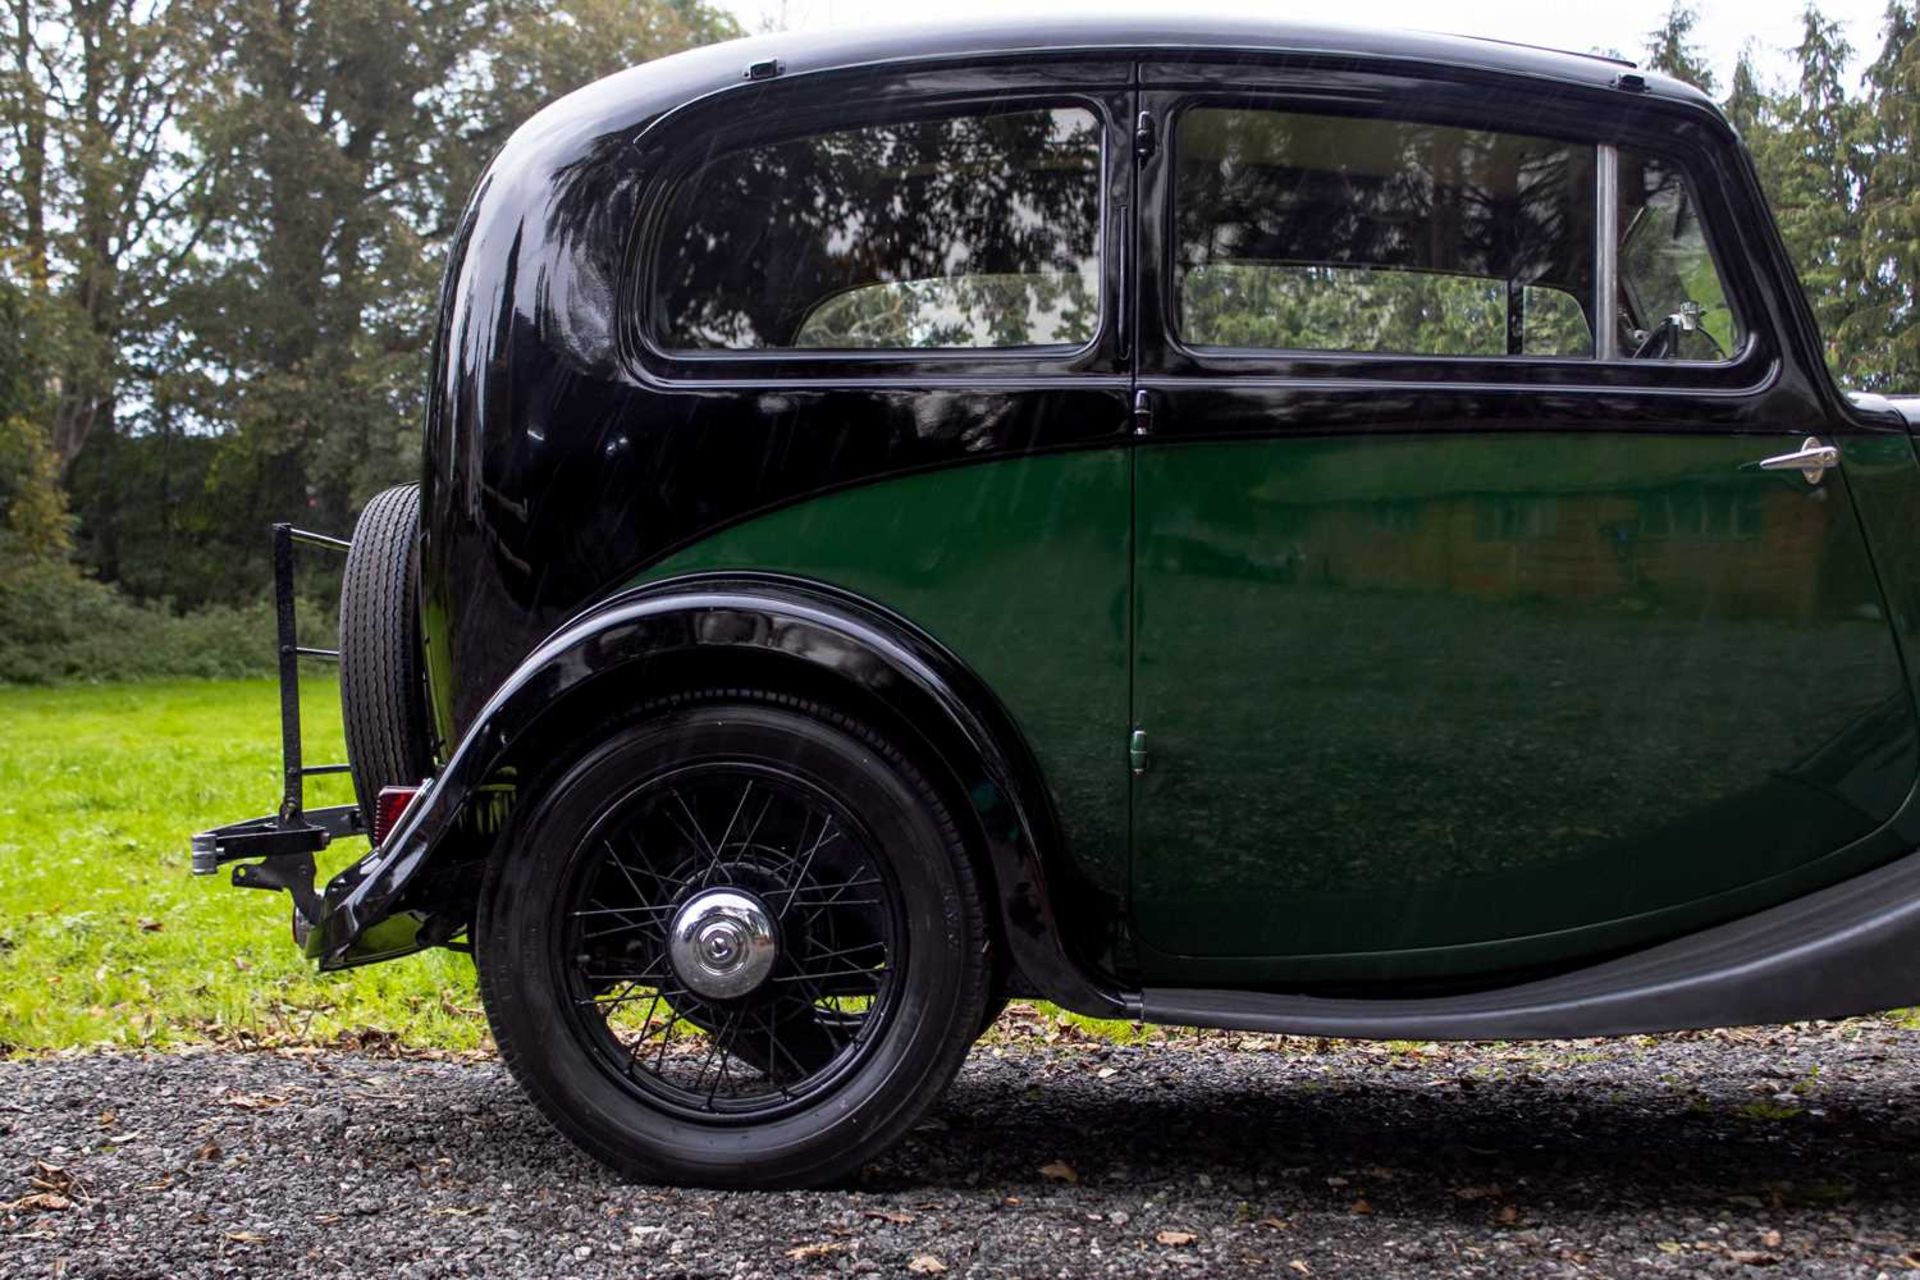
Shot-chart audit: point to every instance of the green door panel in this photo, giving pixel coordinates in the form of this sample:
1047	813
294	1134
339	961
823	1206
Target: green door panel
1020	568
1448	704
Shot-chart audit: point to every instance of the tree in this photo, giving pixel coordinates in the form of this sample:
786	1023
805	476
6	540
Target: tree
1749	108
1881	333
346	135
90	101
1814	167
1671	49
541	51
33	510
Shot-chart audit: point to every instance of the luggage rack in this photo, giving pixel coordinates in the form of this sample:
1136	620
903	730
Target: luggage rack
286	840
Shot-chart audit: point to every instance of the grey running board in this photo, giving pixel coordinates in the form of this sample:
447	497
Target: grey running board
1851	948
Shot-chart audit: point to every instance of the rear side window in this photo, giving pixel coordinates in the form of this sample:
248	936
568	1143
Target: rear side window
966	231
1328	233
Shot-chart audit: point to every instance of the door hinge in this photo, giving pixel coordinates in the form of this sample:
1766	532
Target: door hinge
1142	412
1143	136
1137	752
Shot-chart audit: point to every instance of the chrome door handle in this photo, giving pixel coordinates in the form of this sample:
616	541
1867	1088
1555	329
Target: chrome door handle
1813	459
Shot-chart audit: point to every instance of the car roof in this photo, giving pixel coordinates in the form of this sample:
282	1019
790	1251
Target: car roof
1138	34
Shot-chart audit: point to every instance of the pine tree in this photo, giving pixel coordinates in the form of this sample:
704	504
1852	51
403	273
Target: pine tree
1748	106
1671	49
1881	336
1814	172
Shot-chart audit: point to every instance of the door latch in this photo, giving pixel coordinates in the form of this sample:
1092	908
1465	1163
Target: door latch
1137	752
1813	459
1143	412
1143	135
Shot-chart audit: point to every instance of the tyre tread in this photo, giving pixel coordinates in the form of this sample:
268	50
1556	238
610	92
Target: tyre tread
382	689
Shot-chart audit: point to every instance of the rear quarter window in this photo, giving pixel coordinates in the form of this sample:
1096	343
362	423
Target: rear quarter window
963	231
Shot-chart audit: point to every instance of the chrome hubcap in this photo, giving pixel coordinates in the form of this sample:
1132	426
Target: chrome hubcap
722	943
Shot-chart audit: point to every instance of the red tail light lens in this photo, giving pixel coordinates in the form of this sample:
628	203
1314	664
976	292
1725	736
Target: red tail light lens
388	810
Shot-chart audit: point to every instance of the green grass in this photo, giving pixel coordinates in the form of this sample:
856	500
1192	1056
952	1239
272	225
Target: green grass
105	939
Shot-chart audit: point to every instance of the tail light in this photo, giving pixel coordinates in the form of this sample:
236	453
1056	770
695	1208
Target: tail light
390	808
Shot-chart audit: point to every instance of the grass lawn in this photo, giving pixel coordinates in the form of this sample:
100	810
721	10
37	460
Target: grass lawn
105	939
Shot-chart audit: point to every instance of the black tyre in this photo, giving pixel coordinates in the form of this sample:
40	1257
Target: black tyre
738	944
382	679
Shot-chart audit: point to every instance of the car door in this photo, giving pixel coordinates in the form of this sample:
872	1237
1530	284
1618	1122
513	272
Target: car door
1470	636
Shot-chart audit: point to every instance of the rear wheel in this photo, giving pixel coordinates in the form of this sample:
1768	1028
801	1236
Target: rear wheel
738	944
383	700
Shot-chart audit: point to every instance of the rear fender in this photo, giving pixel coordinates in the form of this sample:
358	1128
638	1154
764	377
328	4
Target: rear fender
835	638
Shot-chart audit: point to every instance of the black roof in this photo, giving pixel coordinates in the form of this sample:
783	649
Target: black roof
1128	34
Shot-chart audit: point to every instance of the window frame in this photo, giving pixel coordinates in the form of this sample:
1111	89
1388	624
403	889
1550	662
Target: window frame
710	130
1634	124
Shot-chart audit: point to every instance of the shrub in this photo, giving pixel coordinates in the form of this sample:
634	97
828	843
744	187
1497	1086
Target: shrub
59	626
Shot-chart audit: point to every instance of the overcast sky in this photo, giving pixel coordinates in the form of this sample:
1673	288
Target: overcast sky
1774	25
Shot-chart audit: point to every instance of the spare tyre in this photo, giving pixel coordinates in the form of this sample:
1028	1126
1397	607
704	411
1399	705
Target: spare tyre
383	699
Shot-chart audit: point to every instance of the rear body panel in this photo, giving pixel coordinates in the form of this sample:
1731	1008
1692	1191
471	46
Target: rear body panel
1020	569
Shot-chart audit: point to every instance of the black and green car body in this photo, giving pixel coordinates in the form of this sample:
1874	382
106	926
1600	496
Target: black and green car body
1344	533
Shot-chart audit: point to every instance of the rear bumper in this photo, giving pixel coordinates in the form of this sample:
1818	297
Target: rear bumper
285	851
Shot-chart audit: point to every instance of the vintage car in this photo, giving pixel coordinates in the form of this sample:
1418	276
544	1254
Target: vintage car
1238	525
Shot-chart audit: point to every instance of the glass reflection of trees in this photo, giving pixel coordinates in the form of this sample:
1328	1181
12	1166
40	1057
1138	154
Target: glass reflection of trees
1332	233
965	231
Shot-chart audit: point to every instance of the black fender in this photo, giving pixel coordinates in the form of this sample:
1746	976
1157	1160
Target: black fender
809	628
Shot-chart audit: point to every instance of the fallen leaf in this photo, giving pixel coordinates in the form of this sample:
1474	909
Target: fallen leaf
254	1101
1507	1216
208	1150
40	1201
108	1119
888	1215
819	1249
1059	1171
51	1177
1770	1238
1277	1224
1361	1207
1300	1266
1752	1257
246	1237
1174	1239
926	1264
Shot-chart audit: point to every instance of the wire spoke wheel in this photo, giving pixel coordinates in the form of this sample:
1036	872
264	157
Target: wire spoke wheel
736	942
732	942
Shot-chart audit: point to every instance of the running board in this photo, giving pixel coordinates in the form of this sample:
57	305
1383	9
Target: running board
1851	948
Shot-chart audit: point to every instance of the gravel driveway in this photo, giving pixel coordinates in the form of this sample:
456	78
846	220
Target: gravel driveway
1791	1151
